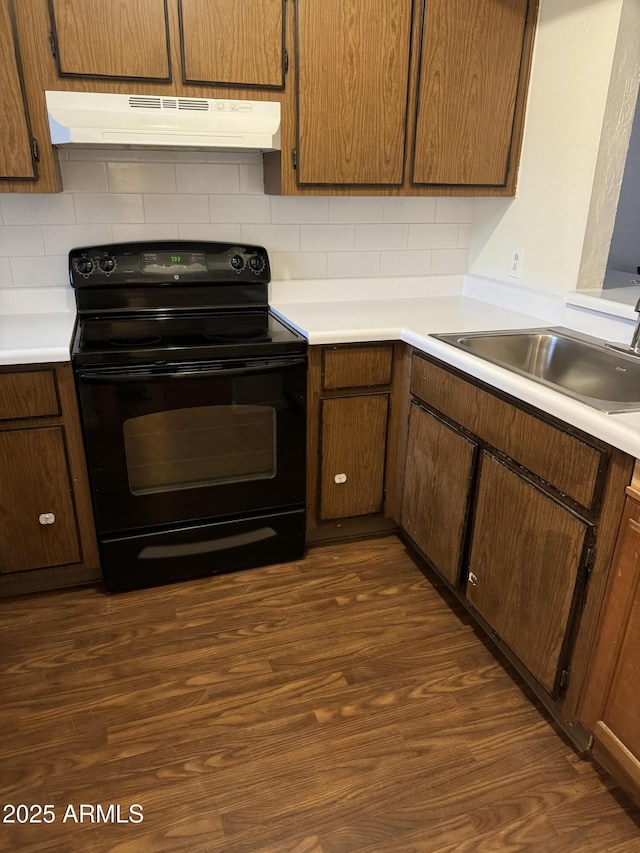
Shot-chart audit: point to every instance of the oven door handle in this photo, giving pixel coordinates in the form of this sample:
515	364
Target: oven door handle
246	370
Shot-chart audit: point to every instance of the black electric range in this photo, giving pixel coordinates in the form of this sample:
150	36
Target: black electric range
192	396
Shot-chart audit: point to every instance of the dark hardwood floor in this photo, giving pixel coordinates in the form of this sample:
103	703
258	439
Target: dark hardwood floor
328	706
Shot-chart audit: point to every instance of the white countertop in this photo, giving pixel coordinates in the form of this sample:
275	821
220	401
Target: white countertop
414	320
33	336
36	324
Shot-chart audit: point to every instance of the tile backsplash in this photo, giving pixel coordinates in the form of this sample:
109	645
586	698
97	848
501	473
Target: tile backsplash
119	195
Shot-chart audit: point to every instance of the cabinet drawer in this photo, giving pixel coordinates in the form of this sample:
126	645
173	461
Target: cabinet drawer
356	367
562	460
28	395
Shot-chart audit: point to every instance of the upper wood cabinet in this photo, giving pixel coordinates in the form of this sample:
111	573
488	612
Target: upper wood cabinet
353	84
221	42
16	150
405	97
112	38
233	42
470	61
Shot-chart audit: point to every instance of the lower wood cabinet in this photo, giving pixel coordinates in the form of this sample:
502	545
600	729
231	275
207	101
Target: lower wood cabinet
354	439
40	523
526	563
48	537
349	404
611	707
437	487
518	513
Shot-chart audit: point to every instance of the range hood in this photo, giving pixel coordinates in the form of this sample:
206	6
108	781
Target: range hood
108	121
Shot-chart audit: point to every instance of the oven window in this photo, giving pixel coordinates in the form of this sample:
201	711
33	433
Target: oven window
200	446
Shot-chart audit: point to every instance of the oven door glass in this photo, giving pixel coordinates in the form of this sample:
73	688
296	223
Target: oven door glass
200	446
176	444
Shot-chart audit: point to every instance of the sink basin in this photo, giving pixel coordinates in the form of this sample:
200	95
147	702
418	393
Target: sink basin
578	365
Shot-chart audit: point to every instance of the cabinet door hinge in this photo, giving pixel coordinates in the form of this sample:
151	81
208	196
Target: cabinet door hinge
589	561
52	44
294	158
35	149
286	61
564	678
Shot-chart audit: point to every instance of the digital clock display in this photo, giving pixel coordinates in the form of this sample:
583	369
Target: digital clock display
173	262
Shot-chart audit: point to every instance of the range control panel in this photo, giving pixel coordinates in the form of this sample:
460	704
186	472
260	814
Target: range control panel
168	262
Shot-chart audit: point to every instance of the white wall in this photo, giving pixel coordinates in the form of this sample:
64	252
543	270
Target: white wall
624	252
124	195
581	99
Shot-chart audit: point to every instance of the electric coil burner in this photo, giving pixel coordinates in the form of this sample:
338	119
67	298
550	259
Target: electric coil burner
192	396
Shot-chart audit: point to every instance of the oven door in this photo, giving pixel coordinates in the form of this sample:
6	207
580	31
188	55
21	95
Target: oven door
199	442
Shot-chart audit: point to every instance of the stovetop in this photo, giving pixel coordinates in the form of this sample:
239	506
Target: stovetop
160	302
138	339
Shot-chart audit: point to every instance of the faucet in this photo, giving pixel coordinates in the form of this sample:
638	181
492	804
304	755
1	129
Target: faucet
634	346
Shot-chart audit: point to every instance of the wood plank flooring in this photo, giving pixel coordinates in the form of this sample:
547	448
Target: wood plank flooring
335	705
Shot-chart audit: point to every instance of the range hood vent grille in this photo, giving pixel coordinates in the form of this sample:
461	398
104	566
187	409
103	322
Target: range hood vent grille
150	103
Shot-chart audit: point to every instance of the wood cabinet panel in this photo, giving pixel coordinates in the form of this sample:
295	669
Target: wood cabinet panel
35	480
437	482
610	750
16	159
526	552
563	460
611	702
352	90
111	38
622	711
356	367
28	395
353	443
469	71
233	41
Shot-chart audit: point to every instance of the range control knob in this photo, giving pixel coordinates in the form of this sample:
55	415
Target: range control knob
107	264
84	266
237	262
256	262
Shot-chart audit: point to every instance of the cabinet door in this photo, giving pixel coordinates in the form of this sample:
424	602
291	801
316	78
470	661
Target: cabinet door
435	495
111	38
619	729
34	482
16	159
611	708
353	445
469	72
353	72
526	555
233	42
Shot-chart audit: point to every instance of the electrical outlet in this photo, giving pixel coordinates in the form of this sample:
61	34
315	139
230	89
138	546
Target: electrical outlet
515	264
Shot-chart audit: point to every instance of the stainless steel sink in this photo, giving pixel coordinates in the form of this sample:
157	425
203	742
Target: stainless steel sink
578	365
